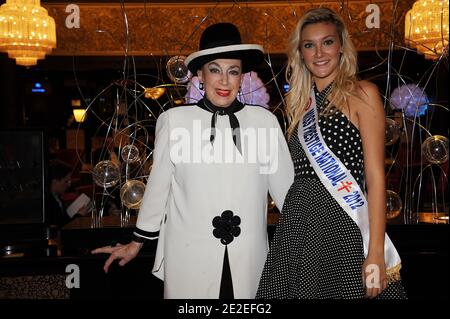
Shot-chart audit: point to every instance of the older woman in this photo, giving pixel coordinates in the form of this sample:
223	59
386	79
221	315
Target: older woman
214	164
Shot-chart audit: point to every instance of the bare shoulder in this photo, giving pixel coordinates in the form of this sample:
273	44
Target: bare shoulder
367	91
366	102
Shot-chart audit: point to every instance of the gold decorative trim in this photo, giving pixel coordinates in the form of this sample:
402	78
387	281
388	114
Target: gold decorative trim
393	274
174	28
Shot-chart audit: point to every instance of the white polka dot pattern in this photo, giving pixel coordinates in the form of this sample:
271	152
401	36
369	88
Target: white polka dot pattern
317	250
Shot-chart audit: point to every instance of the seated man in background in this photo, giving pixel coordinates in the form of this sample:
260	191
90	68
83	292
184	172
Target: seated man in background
60	174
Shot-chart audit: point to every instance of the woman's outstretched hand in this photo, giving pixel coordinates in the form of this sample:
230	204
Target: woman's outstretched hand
124	253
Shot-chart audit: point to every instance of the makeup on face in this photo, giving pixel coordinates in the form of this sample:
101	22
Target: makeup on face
320	49
221	80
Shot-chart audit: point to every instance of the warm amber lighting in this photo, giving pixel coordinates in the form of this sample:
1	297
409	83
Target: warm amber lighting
78	112
79	115
75	103
426	27
27	32
154	93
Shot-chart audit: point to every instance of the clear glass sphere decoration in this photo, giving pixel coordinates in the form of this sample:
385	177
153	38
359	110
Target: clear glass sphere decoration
435	149
130	154
106	174
393	205
131	193
176	70
392	132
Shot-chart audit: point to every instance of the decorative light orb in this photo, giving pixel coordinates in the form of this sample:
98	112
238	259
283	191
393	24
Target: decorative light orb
106	174
177	71
435	149
409	98
27	32
393	205
392	132
131	193
130	154
426	27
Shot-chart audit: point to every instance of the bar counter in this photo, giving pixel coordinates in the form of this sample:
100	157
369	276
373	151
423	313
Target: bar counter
47	271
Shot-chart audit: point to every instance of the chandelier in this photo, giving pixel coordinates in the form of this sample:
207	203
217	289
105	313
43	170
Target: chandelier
426	27
27	32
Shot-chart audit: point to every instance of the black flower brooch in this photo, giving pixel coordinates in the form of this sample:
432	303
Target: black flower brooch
226	227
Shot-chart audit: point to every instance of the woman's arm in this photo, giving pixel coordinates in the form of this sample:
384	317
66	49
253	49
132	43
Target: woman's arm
154	202
281	171
371	118
157	190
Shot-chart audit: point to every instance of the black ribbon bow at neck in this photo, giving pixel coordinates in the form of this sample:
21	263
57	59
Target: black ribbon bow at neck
234	107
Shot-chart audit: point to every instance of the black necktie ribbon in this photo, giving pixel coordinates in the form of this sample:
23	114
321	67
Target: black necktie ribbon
236	106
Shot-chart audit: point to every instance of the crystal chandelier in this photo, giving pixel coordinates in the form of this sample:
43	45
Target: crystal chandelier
426	27
27	32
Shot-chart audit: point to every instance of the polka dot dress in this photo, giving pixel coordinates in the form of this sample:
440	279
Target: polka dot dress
317	250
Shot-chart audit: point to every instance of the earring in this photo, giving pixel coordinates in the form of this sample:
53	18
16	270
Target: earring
200	86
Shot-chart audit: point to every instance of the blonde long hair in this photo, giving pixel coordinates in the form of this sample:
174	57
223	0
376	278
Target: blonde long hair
299	77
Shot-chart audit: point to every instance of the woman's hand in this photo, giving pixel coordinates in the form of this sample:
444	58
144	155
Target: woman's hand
374	275
124	253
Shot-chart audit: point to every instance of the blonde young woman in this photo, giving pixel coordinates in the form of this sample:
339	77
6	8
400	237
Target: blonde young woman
330	241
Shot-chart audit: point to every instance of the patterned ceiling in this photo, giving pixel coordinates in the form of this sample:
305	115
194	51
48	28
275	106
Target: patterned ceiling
173	27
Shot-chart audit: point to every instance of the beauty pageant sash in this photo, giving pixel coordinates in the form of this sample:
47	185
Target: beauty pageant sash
339	181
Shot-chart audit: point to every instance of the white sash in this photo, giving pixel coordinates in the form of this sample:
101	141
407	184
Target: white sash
339	181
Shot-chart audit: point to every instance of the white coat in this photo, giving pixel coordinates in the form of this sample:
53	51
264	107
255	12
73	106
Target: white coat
192	181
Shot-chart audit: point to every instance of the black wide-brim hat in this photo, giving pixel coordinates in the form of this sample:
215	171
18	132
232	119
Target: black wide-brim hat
223	41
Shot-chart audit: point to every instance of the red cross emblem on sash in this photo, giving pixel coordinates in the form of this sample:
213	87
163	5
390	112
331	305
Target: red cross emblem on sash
347	186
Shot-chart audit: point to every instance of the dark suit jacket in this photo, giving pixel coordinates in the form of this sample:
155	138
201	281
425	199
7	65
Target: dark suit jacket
56	215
